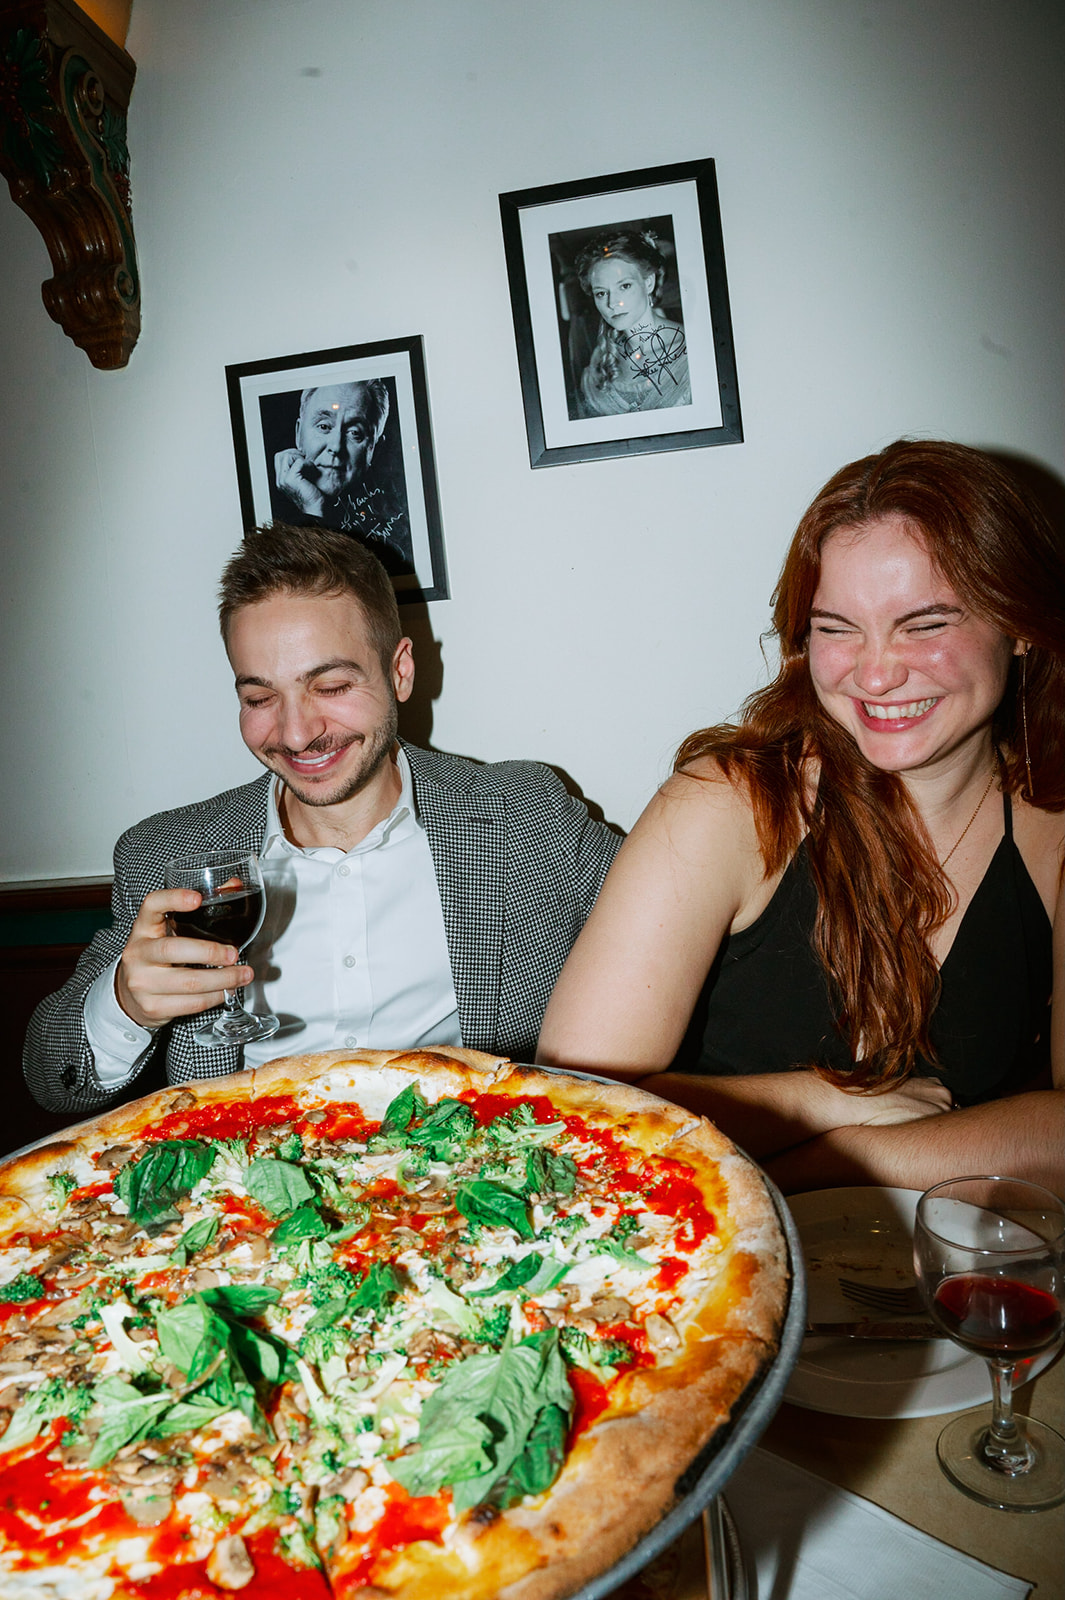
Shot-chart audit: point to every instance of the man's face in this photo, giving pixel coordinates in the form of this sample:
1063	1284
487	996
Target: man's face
316	705
336	434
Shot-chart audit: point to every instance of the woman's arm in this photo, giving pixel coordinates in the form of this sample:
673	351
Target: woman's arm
1022	1137
769	1112
689	868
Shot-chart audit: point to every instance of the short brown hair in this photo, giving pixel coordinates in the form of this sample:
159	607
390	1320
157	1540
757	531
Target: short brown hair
281	559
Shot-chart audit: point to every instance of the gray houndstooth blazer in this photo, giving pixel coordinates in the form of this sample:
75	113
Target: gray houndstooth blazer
518	861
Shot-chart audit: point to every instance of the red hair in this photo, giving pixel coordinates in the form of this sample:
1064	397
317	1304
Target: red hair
881	891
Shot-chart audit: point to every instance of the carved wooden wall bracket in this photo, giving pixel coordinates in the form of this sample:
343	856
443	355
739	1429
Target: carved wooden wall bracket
64	96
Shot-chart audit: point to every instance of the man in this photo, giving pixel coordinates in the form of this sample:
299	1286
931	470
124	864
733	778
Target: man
412	898
327	476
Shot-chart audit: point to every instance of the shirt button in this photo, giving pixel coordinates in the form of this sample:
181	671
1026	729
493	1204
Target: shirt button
343	871
351	1041
131	1037
349	961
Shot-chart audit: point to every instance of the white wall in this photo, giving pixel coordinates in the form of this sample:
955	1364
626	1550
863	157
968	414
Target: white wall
310	173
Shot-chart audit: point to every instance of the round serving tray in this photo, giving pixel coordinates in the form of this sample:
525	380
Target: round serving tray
708	1474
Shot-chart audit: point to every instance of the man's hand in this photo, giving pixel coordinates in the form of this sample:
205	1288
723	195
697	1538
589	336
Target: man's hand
295	477
161	976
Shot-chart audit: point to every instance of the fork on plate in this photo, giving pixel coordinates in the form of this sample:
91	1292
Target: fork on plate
882	1297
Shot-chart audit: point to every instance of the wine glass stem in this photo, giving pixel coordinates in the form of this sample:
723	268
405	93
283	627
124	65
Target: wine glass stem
1004	1447
232	1005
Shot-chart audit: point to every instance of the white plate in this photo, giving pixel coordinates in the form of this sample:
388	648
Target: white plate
867	1234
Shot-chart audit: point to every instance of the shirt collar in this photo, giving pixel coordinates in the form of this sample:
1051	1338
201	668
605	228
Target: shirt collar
398	824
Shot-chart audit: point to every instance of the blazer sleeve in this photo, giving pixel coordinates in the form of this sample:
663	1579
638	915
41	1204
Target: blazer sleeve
57	1061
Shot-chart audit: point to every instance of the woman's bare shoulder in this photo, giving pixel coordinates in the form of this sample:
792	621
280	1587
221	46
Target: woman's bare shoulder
1040	838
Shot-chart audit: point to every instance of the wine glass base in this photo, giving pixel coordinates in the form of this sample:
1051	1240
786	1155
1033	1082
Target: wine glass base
241	1028
960	1451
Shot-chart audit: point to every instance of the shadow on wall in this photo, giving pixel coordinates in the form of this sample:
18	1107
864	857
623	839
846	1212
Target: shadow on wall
416	717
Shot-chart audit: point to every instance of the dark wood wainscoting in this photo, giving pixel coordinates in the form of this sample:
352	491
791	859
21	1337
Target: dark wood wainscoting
44	927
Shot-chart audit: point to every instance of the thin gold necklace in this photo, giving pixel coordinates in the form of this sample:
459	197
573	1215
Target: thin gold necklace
970	822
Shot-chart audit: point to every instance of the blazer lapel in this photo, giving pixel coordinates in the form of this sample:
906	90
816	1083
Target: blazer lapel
467	839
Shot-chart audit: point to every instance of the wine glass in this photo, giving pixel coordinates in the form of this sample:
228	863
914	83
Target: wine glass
989	1254
231	911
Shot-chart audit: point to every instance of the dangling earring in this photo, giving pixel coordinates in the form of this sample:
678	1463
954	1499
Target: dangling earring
1024	719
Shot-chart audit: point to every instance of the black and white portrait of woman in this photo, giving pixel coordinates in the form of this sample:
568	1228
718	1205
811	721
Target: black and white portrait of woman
621	320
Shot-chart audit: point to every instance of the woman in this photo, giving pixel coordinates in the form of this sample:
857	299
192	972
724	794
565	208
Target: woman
870	863
640	361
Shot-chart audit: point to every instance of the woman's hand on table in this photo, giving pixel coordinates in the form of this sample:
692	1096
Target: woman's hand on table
917	1097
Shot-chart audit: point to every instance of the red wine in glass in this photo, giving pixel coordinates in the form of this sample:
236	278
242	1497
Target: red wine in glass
231	910
997	1315
232	918
989	1253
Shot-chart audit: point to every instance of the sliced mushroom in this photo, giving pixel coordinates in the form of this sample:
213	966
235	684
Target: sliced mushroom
661	1332
142	1471
229	1565
115	1156
181	1101
258	1247
204	1278
609	1308
147	1505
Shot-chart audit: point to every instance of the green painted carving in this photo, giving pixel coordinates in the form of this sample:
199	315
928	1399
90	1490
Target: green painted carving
25	103
64	94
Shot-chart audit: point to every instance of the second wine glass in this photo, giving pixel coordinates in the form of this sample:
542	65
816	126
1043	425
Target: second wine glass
231	911
990	1259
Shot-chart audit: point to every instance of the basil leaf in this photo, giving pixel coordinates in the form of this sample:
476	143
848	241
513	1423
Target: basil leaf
493	1206
401	1112
185	1415
128	1416
547	1173
198	1237
150	1184
535	1273
517	1273
445	1129
326	1315
381	1284
541	1460
278	1186
504	1395
241	1300
303	1223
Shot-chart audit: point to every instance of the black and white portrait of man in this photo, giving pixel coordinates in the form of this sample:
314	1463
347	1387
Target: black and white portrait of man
335	457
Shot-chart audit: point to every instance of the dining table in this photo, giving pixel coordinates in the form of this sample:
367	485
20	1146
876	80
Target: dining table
891	1463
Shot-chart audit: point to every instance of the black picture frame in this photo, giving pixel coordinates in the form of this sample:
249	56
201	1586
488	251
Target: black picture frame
382	486
581	402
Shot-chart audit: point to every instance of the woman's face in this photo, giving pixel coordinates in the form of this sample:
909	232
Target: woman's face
896	656
622	293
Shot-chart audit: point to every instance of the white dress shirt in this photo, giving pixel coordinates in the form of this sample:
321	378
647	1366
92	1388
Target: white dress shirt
352	952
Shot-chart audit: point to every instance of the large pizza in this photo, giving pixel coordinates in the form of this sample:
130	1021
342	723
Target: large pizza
368	1325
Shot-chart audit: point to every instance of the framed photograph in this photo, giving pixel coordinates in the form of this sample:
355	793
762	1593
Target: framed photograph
341	439
621	314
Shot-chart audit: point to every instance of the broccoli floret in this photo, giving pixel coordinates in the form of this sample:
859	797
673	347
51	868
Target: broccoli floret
24	1287
494	1325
